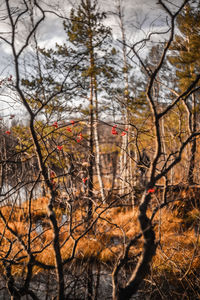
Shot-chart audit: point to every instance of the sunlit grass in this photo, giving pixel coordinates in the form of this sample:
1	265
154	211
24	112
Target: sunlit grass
105	241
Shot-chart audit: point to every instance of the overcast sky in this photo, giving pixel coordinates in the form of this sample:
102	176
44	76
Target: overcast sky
137	13
141	18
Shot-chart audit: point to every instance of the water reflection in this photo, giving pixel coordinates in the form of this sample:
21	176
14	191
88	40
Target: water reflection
19	193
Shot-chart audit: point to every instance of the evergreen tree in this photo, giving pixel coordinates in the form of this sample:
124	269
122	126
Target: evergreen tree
185	57
92	41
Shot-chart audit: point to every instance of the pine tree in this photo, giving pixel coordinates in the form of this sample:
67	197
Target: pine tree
93	42
185	57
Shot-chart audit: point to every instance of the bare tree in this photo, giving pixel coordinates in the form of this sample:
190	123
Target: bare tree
155	174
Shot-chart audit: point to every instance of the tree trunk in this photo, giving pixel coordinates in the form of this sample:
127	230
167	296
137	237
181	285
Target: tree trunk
96	140
142	268
124	163
124	156
193	127
51	213
57	253
91	157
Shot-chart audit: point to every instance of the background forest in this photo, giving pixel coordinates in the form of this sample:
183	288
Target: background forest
100	152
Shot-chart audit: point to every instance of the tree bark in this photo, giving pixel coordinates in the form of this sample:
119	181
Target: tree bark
193	128
142	268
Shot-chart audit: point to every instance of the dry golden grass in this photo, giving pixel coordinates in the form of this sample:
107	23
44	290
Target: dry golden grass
179	246
110	254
